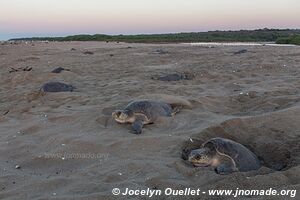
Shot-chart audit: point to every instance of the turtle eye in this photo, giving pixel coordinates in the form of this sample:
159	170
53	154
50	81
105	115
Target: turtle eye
197	157
117	113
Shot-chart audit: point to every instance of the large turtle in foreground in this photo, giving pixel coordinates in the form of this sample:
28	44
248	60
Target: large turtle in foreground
142	112
226	156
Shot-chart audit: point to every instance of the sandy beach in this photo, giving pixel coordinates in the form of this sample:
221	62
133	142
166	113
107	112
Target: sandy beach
67	146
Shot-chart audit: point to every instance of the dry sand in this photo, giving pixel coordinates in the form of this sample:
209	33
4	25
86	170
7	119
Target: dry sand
252	98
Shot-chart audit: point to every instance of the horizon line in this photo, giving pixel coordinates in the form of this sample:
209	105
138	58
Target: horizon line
161	33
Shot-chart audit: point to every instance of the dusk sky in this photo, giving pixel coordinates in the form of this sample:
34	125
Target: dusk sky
26	18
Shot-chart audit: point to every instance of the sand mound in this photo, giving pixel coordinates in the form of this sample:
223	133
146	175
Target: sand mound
173	100
276	145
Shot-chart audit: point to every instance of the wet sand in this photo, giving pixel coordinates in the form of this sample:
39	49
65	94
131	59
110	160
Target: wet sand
66	146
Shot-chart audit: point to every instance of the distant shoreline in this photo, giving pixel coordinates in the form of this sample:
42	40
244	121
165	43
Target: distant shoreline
279	36
240	44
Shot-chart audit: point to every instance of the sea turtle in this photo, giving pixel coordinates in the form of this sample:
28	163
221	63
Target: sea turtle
161	51
240	52
226	156
59	69
171	77
142	112
88	53
57	87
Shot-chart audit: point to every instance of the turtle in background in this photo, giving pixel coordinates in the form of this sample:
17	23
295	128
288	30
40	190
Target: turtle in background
57	87
225	156
173	77
142	112
59	69
240	52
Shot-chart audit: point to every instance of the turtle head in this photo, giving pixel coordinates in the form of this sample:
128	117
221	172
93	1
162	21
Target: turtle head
122	116
202	157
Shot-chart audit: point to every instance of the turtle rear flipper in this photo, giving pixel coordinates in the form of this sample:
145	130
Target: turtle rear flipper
137	126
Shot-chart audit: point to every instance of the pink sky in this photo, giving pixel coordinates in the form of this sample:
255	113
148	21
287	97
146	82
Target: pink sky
20	18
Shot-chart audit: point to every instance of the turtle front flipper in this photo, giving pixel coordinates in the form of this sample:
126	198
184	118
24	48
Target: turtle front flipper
225	169
137	126
176	110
